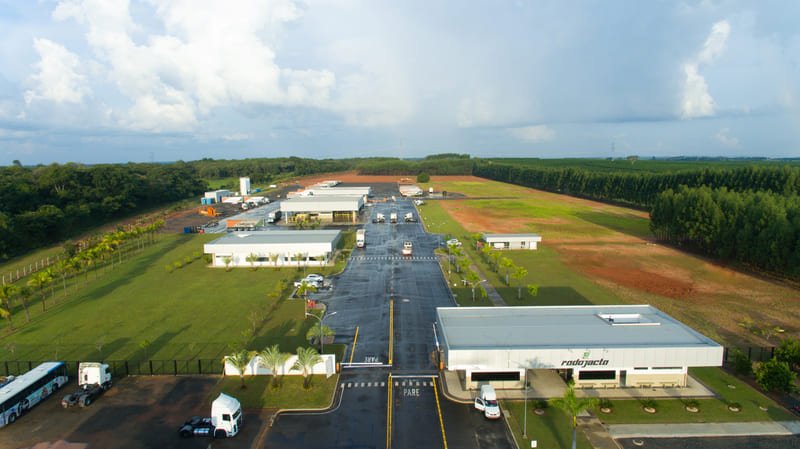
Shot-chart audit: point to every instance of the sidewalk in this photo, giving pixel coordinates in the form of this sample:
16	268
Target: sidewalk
704	429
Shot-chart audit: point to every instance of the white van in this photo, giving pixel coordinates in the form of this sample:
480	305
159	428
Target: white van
487	402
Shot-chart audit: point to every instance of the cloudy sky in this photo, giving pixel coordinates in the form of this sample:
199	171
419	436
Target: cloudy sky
139	80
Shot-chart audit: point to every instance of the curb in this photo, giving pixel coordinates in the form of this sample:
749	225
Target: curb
329	407
446	392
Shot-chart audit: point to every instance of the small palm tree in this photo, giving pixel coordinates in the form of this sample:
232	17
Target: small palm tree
507	264
451	248
306	359
305	288
227	261
240	360
24	293
474	282
318	333
252	258
274	258
6	292
273	359
39	281
495	257
533	289
573	406
519	274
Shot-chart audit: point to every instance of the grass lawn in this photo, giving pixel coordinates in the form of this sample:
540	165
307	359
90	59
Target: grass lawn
710	410
139	310
290	394
551	430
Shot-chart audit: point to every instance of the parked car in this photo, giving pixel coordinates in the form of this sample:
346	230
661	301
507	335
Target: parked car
313	279
453	242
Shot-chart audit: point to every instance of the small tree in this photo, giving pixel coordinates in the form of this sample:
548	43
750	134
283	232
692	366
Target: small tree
306	359
423	177
533	289
39	281
573	406
742	364
317	333
6	292
274	258
495	257
227	261
240	360
474	282
518	275
775	375
273	359
507	265
789	351
252	258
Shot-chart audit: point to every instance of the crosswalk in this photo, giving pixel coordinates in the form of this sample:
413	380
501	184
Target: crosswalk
397	383
415	259
363	384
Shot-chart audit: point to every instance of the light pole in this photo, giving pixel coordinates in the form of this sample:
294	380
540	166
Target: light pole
321	341
525	419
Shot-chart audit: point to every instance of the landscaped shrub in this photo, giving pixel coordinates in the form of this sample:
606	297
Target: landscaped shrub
741	363
775	375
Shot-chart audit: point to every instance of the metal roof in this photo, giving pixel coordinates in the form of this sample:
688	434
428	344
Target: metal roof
323	199
510	236
276	237
498	328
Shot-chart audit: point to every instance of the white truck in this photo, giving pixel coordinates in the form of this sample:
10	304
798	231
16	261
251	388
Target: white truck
393	217
93	379
225	420
379	218
409	218
408	248
361	238
487	402
250	202
274	216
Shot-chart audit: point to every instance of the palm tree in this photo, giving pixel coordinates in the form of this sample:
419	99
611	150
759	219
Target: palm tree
240	360
533	289
486	250
39	281
306	359
451	248
274	258
304	289
24	294
573	406
507	264
6	292
273	359
227	261
298	257
318	333
474	282
518	275
476	237
495	257
252	258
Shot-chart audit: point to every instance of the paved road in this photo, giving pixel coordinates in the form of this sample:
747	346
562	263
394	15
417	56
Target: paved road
378	283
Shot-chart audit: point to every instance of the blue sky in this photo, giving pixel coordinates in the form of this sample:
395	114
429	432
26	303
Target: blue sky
115	80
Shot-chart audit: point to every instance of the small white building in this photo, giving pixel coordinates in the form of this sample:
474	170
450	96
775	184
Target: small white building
315	248
218	195
330	209
513	241
244	186
596	346
412	190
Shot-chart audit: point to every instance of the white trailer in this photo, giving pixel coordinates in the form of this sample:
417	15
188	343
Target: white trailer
361	238
393	217
407	248
225	420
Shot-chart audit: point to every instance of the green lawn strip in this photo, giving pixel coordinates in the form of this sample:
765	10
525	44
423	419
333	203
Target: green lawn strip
194	311
259	392
551	430
28	261
718	380
464	298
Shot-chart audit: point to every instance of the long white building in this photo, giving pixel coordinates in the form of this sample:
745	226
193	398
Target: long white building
596	346
337	209
313	247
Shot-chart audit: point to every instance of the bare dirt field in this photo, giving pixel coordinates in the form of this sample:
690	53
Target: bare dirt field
138	412
610	245
353	177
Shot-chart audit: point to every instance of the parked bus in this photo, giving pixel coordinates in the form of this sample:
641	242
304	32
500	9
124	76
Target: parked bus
27	390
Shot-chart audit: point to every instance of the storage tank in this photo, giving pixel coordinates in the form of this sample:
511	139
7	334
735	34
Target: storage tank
244	186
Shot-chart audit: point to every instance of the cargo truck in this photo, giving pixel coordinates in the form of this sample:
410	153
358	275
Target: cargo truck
409	218
379	218
274	216
393	217
407	248
225	420
93	380
361	238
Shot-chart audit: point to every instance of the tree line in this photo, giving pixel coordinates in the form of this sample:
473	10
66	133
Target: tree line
45	204
266	170
758	229
641	189
437	164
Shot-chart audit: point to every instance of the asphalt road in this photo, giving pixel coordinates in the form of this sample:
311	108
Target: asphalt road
763	442
381	290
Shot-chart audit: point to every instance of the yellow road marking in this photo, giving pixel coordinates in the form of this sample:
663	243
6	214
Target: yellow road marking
355	339
391	330
439	409
389	414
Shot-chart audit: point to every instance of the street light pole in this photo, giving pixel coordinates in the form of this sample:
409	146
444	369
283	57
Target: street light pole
321	341
525	426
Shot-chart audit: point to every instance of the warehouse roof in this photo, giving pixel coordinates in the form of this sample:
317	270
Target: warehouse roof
323	203
488	237
564	327
276	237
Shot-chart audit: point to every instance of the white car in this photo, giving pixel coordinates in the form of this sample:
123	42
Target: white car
312	279
452	242
419	202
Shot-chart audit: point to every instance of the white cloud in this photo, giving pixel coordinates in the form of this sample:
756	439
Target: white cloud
210	54
57	76
236	137
696	101
724	137
533	134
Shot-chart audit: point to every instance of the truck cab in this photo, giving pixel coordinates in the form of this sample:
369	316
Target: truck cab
225	421
408	248
487	402
393	217
360	238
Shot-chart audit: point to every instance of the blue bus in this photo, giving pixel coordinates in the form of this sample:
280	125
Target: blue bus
25	391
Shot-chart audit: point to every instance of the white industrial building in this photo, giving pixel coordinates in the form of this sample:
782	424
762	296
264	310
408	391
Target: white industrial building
330	209
313	247
364	191
244	186
596	346
218	195
512	241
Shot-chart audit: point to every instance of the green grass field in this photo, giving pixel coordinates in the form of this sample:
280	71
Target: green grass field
551	430
139	310
259	393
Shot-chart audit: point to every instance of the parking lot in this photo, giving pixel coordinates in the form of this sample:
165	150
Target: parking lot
139	412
